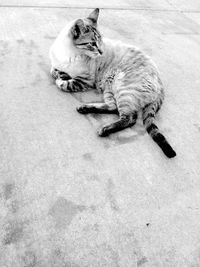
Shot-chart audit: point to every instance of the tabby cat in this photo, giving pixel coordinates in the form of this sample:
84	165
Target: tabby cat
82	59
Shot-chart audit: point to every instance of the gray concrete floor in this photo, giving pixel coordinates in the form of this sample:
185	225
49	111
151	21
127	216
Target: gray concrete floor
70	198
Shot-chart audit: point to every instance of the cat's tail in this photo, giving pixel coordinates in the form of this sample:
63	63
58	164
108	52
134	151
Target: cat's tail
149	112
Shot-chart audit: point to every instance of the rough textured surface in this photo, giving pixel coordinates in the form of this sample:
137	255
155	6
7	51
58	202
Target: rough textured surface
69	198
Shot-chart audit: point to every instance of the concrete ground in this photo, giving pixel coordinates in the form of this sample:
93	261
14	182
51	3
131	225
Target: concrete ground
69	198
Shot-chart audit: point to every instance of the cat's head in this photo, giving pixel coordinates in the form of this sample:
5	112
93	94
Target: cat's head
86	37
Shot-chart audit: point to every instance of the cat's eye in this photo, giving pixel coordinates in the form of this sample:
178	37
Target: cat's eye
92	43
83	44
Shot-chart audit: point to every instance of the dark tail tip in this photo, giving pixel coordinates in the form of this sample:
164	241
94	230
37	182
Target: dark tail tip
161	141
164	145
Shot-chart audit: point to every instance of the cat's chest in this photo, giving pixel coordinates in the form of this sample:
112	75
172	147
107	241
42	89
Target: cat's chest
73	66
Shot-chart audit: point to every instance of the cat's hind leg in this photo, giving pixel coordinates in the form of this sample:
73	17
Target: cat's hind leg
108	106
127	114
97	108
125	121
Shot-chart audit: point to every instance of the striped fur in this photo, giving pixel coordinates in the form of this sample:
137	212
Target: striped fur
129	80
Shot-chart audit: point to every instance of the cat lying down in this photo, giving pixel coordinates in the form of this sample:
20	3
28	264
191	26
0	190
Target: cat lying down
82	59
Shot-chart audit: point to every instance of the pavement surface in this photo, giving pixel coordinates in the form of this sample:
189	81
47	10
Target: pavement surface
69	198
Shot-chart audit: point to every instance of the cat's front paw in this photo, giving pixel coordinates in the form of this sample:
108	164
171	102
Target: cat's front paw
63	85
103	131
64	76
82	109
54	73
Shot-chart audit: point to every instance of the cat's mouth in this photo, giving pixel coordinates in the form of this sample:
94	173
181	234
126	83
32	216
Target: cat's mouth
93	54
96	54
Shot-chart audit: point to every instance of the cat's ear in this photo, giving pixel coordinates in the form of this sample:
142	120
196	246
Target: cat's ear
94	16
77	28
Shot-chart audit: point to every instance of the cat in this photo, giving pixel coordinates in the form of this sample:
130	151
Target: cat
82	59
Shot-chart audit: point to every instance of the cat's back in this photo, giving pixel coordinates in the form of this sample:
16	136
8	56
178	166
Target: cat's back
119	47
119	53
114	49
